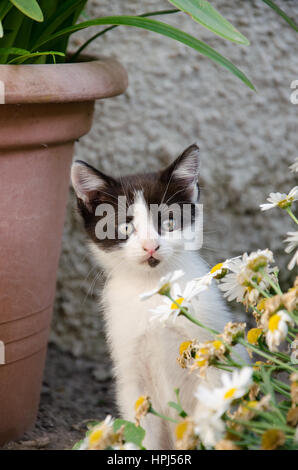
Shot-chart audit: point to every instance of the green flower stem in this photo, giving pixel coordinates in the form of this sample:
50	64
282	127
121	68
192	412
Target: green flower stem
262	426
289	211
281	384
185	313
159	415
221	367
256	286
272	284
267	356
281	390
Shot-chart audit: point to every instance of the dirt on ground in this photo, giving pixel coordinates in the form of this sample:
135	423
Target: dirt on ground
74	392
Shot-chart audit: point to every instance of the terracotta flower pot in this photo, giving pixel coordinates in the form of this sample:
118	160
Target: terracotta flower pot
47	107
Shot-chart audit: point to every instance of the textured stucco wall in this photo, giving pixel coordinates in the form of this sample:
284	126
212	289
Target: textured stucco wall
176	97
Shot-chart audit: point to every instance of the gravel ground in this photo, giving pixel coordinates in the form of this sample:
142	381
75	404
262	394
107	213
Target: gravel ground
74	392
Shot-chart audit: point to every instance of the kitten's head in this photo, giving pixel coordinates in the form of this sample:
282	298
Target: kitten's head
141	220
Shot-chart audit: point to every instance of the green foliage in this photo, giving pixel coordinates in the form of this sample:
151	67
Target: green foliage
205	14
29	8
132	433
43	27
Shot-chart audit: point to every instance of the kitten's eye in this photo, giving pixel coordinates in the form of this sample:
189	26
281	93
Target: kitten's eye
126	228
169	225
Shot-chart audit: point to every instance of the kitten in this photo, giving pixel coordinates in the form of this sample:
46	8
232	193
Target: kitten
143	351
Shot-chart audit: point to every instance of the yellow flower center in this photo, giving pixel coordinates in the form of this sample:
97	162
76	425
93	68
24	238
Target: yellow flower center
253	335
184	346
230	393
200	362
257	263
261	305
140	402
287	202
273	322
95	436
216	268
217	344
252	403
181	428
203	351
178	301
257	365
165	289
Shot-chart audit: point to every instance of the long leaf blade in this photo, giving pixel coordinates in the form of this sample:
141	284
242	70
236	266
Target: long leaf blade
282	14
62	13
159	28
13	51
205	14
22	58
29	8
1	29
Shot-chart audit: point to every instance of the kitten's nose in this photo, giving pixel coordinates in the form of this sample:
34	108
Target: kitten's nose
150	246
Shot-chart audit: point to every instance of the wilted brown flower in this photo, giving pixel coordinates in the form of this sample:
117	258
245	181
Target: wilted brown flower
290	299
186	439
187	351
232	332
254	391
272	439
292	416
142	406
226	444
294	387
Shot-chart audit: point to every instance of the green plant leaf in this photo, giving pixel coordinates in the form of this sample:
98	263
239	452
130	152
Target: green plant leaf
4	9
205	14
22	58
1	29
159	28
282	14
63	12
13	51
178	408
29	8
132	433
77	445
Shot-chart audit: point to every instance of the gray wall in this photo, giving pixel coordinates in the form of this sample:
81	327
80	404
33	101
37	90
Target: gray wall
176	97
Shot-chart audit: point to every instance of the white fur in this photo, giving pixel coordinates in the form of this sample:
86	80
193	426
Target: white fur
145	352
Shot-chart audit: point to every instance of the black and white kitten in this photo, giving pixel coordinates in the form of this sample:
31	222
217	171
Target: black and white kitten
144	353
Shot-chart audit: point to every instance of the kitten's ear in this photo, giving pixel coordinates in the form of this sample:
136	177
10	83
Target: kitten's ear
88	182
185	170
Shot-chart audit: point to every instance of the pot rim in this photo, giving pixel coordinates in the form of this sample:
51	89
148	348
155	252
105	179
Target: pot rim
61	83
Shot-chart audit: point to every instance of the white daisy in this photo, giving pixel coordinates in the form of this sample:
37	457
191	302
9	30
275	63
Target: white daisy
234	386
294	166
164	282
292	240
281	200
214	402
100	436
277	329
181	297
208	426
219	270
237	284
